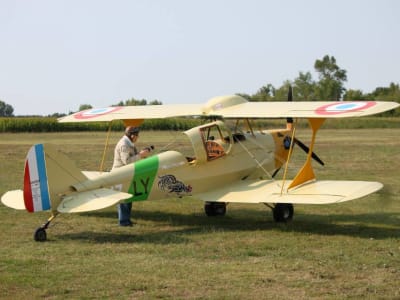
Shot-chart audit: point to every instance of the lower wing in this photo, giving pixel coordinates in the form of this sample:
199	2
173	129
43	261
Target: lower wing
315	192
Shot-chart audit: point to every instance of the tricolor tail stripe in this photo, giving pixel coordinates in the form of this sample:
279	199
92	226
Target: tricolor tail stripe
36	191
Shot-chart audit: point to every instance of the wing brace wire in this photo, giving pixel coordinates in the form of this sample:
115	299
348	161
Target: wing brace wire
259	164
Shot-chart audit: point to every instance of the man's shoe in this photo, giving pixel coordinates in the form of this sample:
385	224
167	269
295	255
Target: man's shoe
129	223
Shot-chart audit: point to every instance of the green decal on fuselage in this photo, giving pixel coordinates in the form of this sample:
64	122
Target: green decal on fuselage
143	178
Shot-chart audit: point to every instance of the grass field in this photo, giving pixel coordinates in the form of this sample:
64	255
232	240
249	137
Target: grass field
174	251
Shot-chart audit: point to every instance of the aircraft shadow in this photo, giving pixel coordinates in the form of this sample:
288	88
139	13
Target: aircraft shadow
161	238
375	225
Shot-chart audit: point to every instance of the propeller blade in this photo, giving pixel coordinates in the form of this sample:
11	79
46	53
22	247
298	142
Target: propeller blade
290	94
306	149
290	98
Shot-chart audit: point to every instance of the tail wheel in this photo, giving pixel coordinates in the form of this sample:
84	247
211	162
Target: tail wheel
283	212
215	208
40	235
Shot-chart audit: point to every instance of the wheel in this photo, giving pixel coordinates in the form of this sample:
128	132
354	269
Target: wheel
215	209
40	235
283	212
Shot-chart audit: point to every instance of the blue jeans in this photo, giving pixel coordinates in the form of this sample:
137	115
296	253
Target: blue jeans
124	214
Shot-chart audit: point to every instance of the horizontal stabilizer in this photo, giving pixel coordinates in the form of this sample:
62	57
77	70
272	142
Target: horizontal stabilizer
315	192
14	199
92	174
91	200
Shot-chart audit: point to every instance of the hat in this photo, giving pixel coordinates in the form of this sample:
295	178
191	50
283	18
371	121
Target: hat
132	130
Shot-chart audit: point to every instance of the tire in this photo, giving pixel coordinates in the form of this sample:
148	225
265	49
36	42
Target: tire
283	212
213	209
40	235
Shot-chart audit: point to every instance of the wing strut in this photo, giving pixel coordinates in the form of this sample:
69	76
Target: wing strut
105	147
306	173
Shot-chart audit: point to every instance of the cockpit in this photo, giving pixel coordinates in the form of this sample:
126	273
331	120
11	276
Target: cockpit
210	141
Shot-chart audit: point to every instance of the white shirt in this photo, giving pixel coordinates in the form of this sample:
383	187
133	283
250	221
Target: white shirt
125	153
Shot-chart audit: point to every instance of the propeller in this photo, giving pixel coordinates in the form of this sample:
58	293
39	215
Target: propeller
289	125
306	149
289	121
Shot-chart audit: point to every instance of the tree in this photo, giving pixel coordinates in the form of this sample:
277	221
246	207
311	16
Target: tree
135	102
85	107
281	94
155	102
331	79
354	95
265	93
57	115
304	87
6	110
390	93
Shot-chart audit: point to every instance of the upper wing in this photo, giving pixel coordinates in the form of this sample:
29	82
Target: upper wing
314	109
316	192
134	112
236	107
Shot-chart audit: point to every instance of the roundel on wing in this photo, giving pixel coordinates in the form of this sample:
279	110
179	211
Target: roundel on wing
343	107
95	112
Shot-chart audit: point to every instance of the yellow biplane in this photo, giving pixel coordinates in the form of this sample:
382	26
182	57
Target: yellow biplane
227	165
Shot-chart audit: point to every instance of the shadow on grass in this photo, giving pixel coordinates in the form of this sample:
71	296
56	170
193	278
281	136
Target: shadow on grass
161	238
374	225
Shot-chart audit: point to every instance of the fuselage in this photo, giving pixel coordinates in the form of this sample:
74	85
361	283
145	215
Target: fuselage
219	159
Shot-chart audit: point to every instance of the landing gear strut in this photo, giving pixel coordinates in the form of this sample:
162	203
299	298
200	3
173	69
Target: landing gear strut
215	209
283	212
40	233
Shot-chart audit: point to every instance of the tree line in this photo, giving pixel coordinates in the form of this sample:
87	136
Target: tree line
328	87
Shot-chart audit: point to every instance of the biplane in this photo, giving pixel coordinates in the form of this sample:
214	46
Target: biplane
228	165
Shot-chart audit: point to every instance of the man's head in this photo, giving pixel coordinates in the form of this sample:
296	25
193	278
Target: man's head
132	132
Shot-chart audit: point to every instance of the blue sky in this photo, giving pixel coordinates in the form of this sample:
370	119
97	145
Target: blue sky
57	55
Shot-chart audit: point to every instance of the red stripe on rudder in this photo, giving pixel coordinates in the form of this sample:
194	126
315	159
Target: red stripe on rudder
28	199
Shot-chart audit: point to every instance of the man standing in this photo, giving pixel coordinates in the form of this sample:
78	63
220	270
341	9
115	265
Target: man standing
125	153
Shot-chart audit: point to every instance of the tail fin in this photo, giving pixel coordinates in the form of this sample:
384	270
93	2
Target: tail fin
48	176
36	191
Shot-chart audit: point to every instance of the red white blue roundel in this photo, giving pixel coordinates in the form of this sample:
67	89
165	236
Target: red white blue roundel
343	107
95	112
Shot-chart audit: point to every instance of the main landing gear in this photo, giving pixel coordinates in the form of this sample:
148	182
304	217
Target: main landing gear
40	233
213	209
282	212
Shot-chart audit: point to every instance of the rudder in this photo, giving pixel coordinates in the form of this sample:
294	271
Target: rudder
48	176
36	191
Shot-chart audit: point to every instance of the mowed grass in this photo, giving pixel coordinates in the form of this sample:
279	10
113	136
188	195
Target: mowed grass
343	251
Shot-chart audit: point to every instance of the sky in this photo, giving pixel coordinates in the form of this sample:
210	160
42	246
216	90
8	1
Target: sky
57	55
